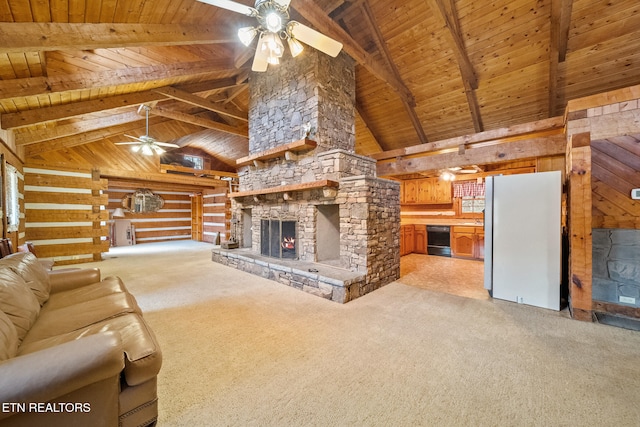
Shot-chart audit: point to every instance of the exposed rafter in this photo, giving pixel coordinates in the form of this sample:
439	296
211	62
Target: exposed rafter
318	18
17	37
386	55
559	34
201	121
69	82
198	101
446	13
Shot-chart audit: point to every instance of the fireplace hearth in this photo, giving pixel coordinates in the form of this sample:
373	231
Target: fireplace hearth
278	238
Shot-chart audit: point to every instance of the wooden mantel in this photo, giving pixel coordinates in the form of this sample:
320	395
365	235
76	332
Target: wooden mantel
272	153
325	183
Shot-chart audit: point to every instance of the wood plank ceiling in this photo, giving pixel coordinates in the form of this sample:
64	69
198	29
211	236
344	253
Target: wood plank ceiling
74	72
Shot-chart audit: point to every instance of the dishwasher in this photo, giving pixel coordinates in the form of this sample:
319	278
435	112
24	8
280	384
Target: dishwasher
439	240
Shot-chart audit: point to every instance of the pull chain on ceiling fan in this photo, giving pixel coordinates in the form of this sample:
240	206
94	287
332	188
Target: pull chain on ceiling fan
146	144
274	25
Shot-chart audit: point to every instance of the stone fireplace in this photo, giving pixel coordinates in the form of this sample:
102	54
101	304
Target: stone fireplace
310	212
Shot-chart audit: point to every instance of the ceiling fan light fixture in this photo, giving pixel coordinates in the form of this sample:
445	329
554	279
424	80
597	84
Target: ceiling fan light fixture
136	148
247	34
146	150
295	46
273	22
272	44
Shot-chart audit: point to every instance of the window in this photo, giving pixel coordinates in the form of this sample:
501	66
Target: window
472	204
13	205
196	161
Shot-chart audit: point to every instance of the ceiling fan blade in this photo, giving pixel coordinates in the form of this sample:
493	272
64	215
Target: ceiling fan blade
167	144
232	6
315	39
260	59
133	137
126	143
283	3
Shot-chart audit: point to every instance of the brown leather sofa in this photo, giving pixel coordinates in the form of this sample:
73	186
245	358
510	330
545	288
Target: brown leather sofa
74	349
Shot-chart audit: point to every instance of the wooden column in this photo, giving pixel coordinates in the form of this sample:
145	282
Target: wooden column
580	240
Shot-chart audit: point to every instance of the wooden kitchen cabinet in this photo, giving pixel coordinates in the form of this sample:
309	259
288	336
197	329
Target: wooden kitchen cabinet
467	242
426	191
420	239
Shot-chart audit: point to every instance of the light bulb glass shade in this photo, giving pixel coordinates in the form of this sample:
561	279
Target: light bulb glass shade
118	213
274	22
247	34
295	46
146	150
273	60
159	150
272	44
136	148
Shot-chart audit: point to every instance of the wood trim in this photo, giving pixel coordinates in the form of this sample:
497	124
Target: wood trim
196	172
272	153
287	188
580	231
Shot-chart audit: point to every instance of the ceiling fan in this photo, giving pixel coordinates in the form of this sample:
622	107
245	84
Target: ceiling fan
146	144
274	25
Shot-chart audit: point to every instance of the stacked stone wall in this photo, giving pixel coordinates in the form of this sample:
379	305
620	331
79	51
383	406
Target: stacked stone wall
616	272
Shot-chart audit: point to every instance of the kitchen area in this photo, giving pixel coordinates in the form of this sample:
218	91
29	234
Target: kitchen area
442	234
443	246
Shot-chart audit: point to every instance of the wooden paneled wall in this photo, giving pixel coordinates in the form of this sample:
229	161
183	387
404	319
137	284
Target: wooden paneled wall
615	171
172	222
216	214
65	214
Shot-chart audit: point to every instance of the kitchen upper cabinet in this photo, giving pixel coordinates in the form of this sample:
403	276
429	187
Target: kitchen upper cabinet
410	191
427	191
467	242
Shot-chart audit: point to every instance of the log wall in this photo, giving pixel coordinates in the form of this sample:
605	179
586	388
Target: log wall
65	214
216	215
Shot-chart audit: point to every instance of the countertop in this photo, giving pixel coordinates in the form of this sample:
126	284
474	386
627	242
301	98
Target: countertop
442	221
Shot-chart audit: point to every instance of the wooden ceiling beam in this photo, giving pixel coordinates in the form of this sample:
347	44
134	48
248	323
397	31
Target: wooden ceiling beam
34	86
559	35
81	108
201	121
386	55
318	18
88	137
189	98
481	155
446	13
19	37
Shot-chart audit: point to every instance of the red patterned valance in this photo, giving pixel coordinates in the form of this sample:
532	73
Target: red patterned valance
468	189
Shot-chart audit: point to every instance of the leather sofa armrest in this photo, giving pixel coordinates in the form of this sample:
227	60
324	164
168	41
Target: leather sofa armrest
56	371
64	280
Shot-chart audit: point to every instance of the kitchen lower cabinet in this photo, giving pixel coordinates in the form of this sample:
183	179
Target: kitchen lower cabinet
407	239
420	239
467	242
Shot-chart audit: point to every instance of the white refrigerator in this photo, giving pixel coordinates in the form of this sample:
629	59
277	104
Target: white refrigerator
523	255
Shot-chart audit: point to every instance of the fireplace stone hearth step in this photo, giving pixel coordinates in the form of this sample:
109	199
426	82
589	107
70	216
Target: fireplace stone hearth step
323	280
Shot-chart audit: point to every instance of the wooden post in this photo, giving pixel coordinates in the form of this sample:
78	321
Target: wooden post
580	235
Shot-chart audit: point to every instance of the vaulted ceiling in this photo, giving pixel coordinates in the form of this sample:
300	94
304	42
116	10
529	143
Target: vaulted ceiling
74	72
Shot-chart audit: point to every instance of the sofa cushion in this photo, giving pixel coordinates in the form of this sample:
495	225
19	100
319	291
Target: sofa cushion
8	338
31	270
108	286
17	301
143	355
67	319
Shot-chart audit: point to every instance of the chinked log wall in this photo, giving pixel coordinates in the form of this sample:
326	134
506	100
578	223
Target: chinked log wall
216	215
172	222
64	214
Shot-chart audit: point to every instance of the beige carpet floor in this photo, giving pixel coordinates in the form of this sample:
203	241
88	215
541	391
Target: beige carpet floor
244	351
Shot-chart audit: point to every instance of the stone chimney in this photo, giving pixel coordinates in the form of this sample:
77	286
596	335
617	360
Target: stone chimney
345	218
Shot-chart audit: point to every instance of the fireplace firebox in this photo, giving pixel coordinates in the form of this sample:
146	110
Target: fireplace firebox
278	238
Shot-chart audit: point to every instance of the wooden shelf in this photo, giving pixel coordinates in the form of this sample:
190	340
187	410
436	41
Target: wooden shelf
196	172
325	183
272	153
